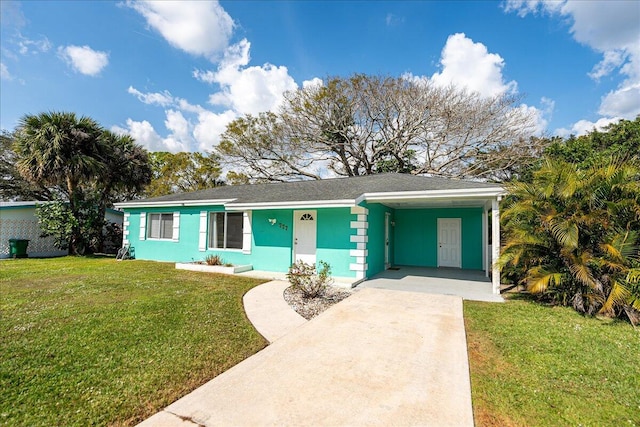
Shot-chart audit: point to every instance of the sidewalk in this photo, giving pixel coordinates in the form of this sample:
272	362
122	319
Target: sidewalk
269	312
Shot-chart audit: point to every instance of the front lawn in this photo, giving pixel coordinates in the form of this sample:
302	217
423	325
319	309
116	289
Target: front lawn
86	341
533	365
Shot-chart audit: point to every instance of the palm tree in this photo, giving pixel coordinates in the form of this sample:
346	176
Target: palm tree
572	235
60	149
126	173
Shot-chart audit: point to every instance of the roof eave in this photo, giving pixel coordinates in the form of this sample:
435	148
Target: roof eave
172	203
488	192
291	205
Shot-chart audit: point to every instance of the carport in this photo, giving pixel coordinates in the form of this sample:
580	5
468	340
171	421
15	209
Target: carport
468	284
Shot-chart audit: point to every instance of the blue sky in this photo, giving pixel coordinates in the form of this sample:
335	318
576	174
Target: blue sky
173	74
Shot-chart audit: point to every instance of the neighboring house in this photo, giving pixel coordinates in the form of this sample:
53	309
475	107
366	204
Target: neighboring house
18	221
360	225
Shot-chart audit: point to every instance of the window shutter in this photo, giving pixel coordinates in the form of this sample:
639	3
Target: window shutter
143	225
202	241
176	226
246	232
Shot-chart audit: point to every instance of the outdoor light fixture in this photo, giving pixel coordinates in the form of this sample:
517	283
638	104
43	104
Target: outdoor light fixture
272	221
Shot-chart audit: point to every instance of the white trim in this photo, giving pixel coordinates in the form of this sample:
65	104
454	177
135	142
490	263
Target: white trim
246	232
387	240
168	204
358	267
485	241
358	252
359	210
143	225
430	194
313	204
176	227
202	232
359	224
495	244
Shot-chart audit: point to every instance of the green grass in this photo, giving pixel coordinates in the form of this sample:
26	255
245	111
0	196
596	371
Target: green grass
93	341
534	365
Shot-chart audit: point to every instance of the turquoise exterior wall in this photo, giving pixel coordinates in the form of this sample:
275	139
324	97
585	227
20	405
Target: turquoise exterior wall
333	244
413	239
416	239
376	244
271	245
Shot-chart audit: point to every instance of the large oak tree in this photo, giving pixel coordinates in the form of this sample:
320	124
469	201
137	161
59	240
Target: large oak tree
369	124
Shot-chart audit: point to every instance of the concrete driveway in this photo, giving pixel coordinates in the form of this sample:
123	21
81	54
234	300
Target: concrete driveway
468	284
378	358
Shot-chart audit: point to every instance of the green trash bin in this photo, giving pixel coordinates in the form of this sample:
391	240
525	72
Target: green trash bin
18	248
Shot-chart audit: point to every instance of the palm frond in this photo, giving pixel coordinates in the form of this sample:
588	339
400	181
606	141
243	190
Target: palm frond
618	296
538	280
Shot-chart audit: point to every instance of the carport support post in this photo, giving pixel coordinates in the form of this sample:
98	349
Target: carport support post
495	244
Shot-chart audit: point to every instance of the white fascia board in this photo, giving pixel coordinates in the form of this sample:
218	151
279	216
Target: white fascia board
290	205
434	194
175	203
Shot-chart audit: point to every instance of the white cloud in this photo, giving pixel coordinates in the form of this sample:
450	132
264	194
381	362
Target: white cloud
4	72
27	46
200	28
143	133
610	28
83	59
314	82
163	98
247	90
209	128
201	134
583	127
468	64
622	102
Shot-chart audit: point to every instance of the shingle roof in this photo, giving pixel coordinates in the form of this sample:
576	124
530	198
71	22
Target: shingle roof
326	189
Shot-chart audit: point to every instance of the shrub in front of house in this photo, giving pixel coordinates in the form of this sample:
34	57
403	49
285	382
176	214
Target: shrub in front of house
308	279
214	260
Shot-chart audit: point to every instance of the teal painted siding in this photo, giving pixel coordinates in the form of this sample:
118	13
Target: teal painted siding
416	239
271	245
376	244
333	243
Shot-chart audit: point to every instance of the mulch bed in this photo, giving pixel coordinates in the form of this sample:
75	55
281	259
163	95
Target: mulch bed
311	307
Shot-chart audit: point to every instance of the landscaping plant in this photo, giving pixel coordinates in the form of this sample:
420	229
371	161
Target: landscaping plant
311	282
214	260
572	236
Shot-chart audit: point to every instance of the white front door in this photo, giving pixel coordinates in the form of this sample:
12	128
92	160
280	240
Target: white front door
304	236
387	221
449	242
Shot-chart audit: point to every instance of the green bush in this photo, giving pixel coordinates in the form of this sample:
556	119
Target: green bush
306	278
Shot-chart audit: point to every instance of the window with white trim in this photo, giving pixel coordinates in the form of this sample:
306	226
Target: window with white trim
160	226
225	230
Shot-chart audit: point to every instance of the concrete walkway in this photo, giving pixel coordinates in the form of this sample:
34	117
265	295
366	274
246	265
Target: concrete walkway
380	357
269	313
